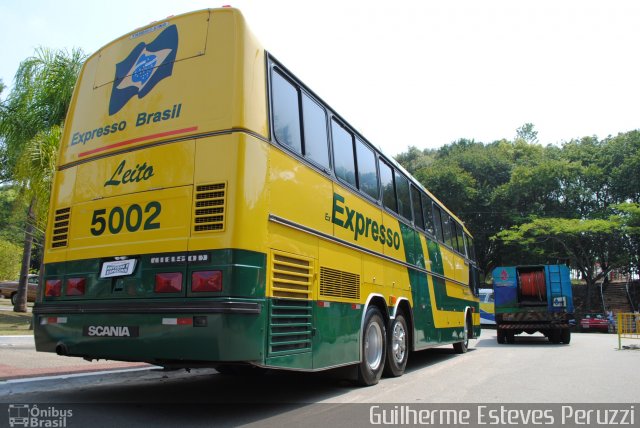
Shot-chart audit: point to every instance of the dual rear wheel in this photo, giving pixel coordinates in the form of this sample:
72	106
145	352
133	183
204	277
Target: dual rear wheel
383	351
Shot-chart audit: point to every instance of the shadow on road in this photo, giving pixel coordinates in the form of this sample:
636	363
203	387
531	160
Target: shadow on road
521	341
205	397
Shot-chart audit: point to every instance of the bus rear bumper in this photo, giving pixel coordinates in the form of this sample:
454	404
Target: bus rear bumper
193	333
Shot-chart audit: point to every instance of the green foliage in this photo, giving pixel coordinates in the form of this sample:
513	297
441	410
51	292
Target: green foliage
9	260
527	203
30	121
39	100
12	214
35	168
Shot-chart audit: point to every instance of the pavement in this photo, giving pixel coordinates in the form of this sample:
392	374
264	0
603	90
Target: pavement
19	360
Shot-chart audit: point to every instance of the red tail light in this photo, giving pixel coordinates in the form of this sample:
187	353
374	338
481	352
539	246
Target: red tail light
76	286
206	281
168	282
53	288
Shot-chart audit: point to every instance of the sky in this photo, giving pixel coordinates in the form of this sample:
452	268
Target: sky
405	73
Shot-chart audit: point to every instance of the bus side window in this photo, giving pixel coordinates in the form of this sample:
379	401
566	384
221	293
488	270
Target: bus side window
404	200
367	173
427	207
343	159
461	245
417	207
314	123
454	235
471	248
388	190
286	115
446	228
437	220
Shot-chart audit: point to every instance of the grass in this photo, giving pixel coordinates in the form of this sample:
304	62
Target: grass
13	323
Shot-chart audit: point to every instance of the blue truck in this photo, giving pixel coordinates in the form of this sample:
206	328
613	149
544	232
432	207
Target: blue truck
529	299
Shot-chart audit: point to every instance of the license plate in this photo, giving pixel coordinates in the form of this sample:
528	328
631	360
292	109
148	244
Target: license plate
118	268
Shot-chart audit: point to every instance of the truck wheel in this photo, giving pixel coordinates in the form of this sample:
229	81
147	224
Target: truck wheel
397	347
374	347
566	336
462	347
511	338
555	336
501	336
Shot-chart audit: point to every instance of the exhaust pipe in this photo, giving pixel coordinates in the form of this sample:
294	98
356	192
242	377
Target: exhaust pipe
61	349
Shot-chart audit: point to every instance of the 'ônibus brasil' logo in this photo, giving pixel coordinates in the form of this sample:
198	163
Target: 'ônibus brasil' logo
146	65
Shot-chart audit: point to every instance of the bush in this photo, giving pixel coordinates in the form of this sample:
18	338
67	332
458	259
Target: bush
10	257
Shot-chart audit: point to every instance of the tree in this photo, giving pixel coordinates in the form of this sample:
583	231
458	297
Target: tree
36	105
594	247
9	260
527	133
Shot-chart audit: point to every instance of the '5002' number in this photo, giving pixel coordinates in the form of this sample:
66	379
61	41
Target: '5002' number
132	219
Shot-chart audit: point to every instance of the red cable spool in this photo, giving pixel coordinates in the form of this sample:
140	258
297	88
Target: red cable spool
532	284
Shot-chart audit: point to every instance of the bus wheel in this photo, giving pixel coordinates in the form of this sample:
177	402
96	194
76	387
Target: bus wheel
397	348
566	336
374	346
462	347
502	336
555	337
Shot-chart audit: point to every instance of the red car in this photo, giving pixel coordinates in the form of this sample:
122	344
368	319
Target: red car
594	322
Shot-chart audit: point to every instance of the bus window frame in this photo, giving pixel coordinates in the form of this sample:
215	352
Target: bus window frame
345	128
358	139
382	161
295	86
413	190
327	168
396	172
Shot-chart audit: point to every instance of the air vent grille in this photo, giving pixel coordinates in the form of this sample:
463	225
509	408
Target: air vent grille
291	276
290	327
60	234
209	207
337	283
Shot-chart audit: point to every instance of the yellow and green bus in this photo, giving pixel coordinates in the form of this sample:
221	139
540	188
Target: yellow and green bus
210	210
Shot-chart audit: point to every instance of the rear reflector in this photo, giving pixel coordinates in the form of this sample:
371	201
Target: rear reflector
206	281
53	288
177	321
168	282
53	320
76	286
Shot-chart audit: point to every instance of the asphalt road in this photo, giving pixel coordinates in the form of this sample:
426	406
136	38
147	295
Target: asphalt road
589	370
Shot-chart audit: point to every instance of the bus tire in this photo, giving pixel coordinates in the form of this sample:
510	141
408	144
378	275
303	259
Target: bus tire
374	347
462	347
397	347
502	336
556	336
511	338
566	336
